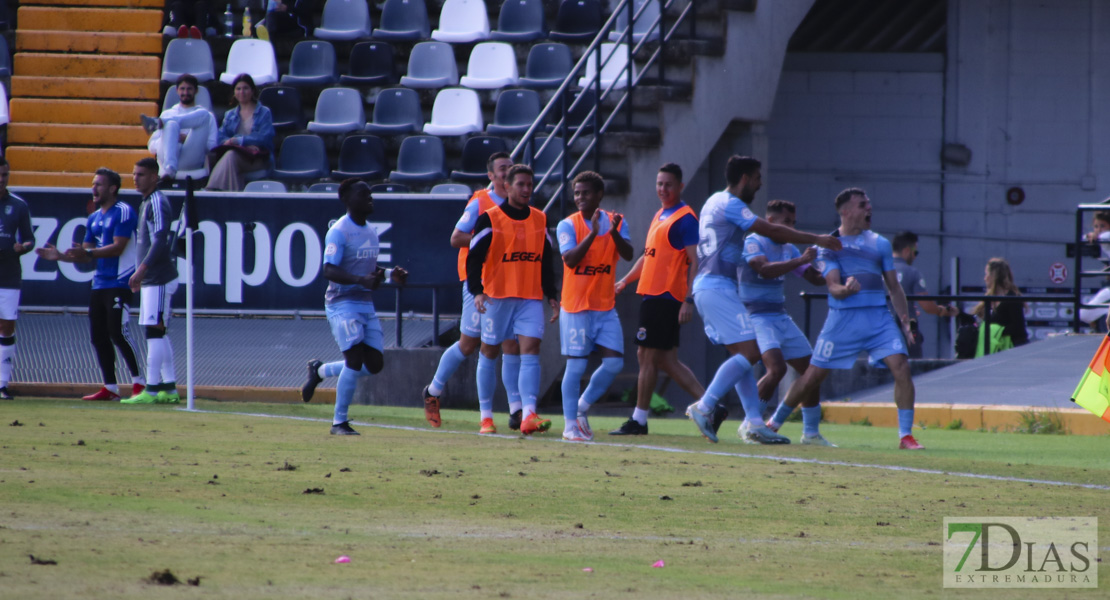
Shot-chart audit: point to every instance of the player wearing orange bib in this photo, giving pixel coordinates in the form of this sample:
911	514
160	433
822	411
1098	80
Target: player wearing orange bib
665	269
591	242
509	271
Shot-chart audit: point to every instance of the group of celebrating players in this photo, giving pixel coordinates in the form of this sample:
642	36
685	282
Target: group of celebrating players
729	264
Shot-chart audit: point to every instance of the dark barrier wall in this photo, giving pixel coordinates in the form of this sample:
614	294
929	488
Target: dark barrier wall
256	252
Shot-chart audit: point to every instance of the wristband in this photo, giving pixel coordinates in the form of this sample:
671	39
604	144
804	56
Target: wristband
388	275
89	252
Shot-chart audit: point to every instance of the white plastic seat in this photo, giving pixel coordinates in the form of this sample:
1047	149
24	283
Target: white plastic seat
492	65
611	72
253	57
462	21
457	111
344	20
5	116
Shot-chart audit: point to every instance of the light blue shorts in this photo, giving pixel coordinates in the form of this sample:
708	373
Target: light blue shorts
725	316
470	323
849	331
351	325
509	317
778	330
582	332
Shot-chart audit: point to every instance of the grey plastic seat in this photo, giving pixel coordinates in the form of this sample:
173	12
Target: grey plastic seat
420	160
451	188
515	112
548	65
361	156
389	188
475	154
324	187
344	20
311	64
371	63
640	29
338	110
403	20
547	161
302	157
6	56
204	98
266	186
431	65
396	111
285	105
520	21
577	117
577	22
188	56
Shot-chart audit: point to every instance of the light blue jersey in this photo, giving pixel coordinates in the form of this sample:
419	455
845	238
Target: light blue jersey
758	294
866	257
568	239
470	214
353	248
722	224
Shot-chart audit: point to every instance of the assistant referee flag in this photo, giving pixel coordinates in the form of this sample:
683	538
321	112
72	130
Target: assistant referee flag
1093	391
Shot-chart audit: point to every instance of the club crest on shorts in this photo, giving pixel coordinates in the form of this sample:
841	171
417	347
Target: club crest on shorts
641	334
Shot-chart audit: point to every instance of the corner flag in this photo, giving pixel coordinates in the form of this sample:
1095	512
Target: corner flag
1093	391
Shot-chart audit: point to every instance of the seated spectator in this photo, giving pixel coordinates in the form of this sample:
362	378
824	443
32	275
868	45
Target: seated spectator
246	138
188	18
1008	314
288	19
183	134
1100	233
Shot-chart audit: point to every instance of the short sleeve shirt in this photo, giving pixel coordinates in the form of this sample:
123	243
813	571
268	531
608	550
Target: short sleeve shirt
866	257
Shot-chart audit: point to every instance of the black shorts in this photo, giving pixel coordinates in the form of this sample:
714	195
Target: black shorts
658	323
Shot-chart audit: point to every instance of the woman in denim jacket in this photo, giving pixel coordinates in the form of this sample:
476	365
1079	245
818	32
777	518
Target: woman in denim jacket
246	138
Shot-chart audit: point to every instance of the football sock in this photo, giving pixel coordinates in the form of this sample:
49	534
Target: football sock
782	413
811	420
510	378
448	363
111	387
529	382
905	421
572	384
727	375
7	359
169	370
748	390
487	382
154	352
331	369
640	416
344	393
600	381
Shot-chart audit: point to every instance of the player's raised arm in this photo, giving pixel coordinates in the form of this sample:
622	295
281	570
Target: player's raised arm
789	235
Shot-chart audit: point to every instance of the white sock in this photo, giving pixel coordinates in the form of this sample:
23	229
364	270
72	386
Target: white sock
169	370
640	416
154	359
7	360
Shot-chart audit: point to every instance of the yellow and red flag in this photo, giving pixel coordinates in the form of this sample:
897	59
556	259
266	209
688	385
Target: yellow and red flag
1093	391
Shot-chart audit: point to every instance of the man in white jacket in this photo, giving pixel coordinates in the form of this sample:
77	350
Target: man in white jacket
183	134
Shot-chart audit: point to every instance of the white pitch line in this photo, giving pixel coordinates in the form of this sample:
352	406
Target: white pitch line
790	459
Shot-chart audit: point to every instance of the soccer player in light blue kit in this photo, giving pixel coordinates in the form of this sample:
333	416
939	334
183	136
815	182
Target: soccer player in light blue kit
351	268
859	278
724	220
766	263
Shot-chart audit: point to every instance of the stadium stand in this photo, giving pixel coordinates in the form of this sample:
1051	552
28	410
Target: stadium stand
547	66
646	12
396	111
266	186
361	156
431	65
520	21
285	105
204	98
614	58
457	111
188	56
302	158
371	63
515	112
338	110
5	116
475	154
578	21
462	21
323	188
312	64
403	20
253	57
420	160
389	188
492	65
5	58
546	161
344	20
451	188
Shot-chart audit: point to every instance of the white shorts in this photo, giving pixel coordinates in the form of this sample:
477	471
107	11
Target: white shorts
154	303
9	304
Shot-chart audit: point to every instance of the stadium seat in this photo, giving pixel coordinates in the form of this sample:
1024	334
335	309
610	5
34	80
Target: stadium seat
420	160
5	116
548	65
577	116
403	20
475	154
492	66
547	162
462	21
577	22
266	186
6	58
431	65
302	157
396	111
451	188
285	105
612	72
389	188
323	188
344	20
338	110
254	57
371	63
188	56
361	156
515	112
203	98
457	111
520	21
312	64
642	25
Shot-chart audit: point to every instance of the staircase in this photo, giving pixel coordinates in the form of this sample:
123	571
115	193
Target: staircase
83	72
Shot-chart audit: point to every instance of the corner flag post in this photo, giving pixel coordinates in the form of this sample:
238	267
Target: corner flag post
187	216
